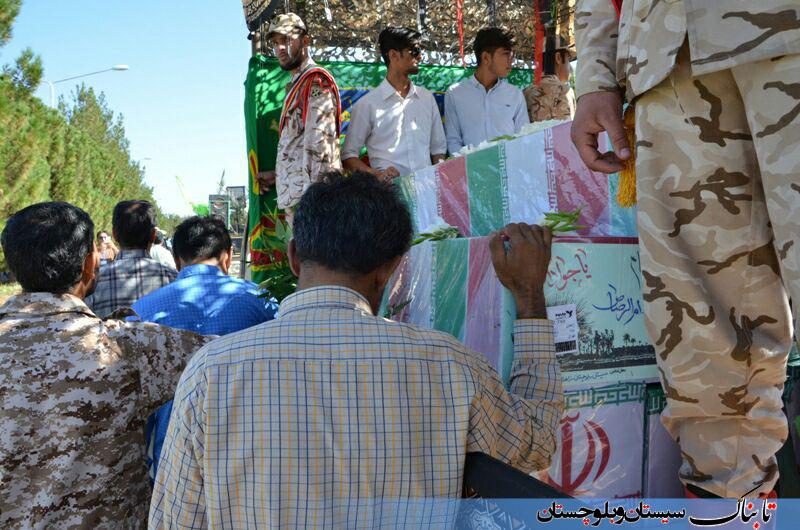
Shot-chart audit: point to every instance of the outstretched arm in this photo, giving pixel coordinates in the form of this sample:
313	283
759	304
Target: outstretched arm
519	425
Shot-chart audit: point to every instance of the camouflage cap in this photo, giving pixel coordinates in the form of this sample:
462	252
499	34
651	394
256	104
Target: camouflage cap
285	24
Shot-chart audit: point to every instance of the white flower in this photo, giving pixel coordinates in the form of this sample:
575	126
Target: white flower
437	224
538	126
526	130
472	148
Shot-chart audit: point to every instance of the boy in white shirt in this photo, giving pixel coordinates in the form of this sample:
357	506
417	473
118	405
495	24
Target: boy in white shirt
398	122
485	106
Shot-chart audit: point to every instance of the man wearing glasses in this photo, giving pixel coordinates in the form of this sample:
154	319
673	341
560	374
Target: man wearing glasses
309	126
398	122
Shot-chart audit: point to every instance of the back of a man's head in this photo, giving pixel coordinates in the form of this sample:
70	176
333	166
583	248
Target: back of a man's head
549	60
200	238
46	245
133	223
352	224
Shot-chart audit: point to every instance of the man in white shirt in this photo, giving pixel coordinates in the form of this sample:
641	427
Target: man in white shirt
485	106
398	122
160	253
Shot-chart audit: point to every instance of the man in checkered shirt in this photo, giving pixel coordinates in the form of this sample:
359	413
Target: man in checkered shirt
317	417
133	273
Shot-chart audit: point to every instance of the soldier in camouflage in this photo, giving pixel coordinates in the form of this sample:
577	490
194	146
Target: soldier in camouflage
76	390
716	92
309	127
553	98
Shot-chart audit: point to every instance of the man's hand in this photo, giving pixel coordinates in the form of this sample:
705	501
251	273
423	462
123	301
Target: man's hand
387	174
522	267
356	164
266	179
598	112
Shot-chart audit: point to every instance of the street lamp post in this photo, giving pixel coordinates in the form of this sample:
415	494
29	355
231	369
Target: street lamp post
116	68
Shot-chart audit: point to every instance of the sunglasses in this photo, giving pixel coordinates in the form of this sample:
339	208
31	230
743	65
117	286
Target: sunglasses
415	52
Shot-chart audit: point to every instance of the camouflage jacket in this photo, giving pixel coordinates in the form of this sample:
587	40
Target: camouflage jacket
307	150
551	100
76	392
638	51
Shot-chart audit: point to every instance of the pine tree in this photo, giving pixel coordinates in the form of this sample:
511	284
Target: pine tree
78	153
9	9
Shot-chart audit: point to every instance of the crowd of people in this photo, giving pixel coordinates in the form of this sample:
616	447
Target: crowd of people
285	416
295	415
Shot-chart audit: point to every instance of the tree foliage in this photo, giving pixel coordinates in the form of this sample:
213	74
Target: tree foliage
168	222
9	9
78	153
26	74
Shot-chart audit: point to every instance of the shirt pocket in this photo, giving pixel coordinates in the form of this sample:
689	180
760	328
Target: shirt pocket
387	123
420	121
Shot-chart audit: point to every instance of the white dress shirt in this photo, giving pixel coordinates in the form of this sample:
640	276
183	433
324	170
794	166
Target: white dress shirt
162	255
399	132
473	114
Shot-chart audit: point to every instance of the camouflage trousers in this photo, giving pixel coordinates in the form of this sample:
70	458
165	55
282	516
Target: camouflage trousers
718	169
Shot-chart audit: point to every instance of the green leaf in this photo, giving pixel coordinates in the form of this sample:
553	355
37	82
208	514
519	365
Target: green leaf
392	310
563	221
448	232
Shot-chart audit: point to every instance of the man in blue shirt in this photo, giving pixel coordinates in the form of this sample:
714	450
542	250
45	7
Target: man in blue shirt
203	299
485	106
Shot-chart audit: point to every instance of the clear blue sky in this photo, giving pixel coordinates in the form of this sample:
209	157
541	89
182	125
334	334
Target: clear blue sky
182	98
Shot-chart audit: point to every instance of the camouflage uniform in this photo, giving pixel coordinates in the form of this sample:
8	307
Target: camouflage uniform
719	209
76	391
551	100
305	153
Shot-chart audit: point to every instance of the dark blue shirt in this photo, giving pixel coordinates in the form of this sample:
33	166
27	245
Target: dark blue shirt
207	301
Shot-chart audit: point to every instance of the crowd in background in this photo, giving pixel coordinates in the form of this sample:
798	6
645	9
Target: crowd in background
294	416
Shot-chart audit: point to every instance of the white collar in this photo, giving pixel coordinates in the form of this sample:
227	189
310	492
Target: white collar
478	84
387	90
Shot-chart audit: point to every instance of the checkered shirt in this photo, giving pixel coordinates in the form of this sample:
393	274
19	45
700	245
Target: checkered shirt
126	279
298	421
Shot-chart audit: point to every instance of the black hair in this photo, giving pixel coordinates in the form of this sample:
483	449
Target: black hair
351	224
133	223
491	39
201	238
46	245
549	60
396	38
159	237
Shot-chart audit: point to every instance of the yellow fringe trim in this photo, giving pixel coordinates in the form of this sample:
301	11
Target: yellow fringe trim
626	192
